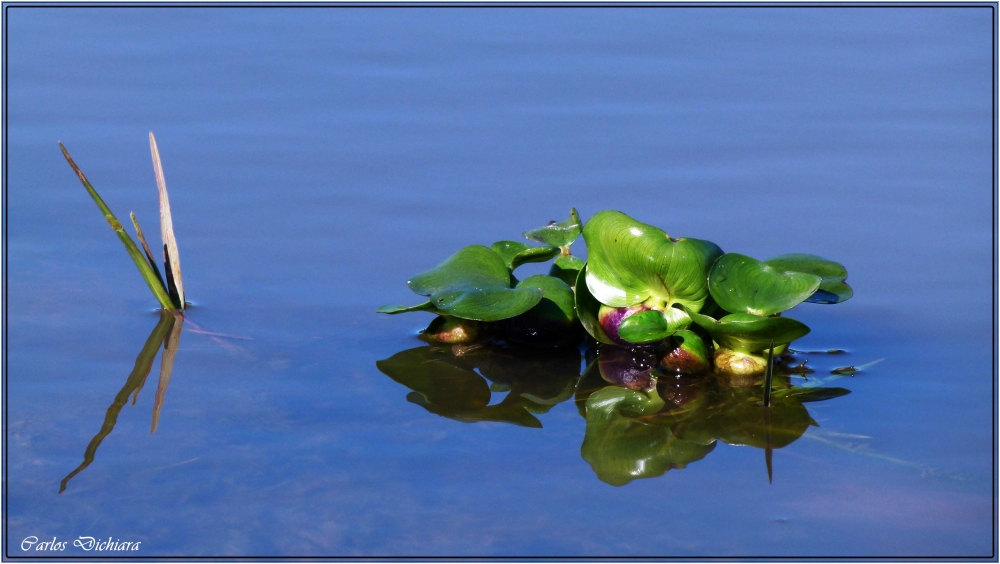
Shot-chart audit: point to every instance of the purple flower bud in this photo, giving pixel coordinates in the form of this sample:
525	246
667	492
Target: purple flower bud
611	317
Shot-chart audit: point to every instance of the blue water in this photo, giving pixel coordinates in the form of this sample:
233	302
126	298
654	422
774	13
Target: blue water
318	157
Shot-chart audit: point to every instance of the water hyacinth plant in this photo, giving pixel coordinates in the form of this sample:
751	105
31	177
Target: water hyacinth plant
683	300
685	345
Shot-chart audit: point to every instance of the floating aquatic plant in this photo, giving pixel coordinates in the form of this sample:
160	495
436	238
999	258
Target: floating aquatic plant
168	288
686	345
699	308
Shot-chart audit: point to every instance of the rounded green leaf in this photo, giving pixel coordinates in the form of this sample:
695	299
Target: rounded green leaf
630	262
741	284
560	234
552	322
587	309
748	333
832	289
516	253
558	302
567	268
652	325
474	283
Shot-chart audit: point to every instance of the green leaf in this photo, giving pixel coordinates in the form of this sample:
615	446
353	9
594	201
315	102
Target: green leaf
652	325
558	302
152	278
748	333
587	309
394	309
631	262
561	234
567	268
474	283
515	253
741	284
552	322
645	327
832	289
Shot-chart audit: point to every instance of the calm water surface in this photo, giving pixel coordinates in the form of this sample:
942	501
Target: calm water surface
317	158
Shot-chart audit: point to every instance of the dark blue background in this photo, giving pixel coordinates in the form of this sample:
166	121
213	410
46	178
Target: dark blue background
318	157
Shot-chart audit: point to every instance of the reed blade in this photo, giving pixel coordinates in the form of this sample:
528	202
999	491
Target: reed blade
166	368
151	277
145	248
143	364
167	223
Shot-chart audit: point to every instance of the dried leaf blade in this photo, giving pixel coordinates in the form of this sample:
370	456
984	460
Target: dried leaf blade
167	224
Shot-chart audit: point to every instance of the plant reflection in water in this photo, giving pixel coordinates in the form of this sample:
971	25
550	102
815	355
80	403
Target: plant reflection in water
641	421
166	333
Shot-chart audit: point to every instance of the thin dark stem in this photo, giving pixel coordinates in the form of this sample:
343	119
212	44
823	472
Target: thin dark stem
768	375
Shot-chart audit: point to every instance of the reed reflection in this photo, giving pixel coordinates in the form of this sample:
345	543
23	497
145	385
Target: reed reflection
167	333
